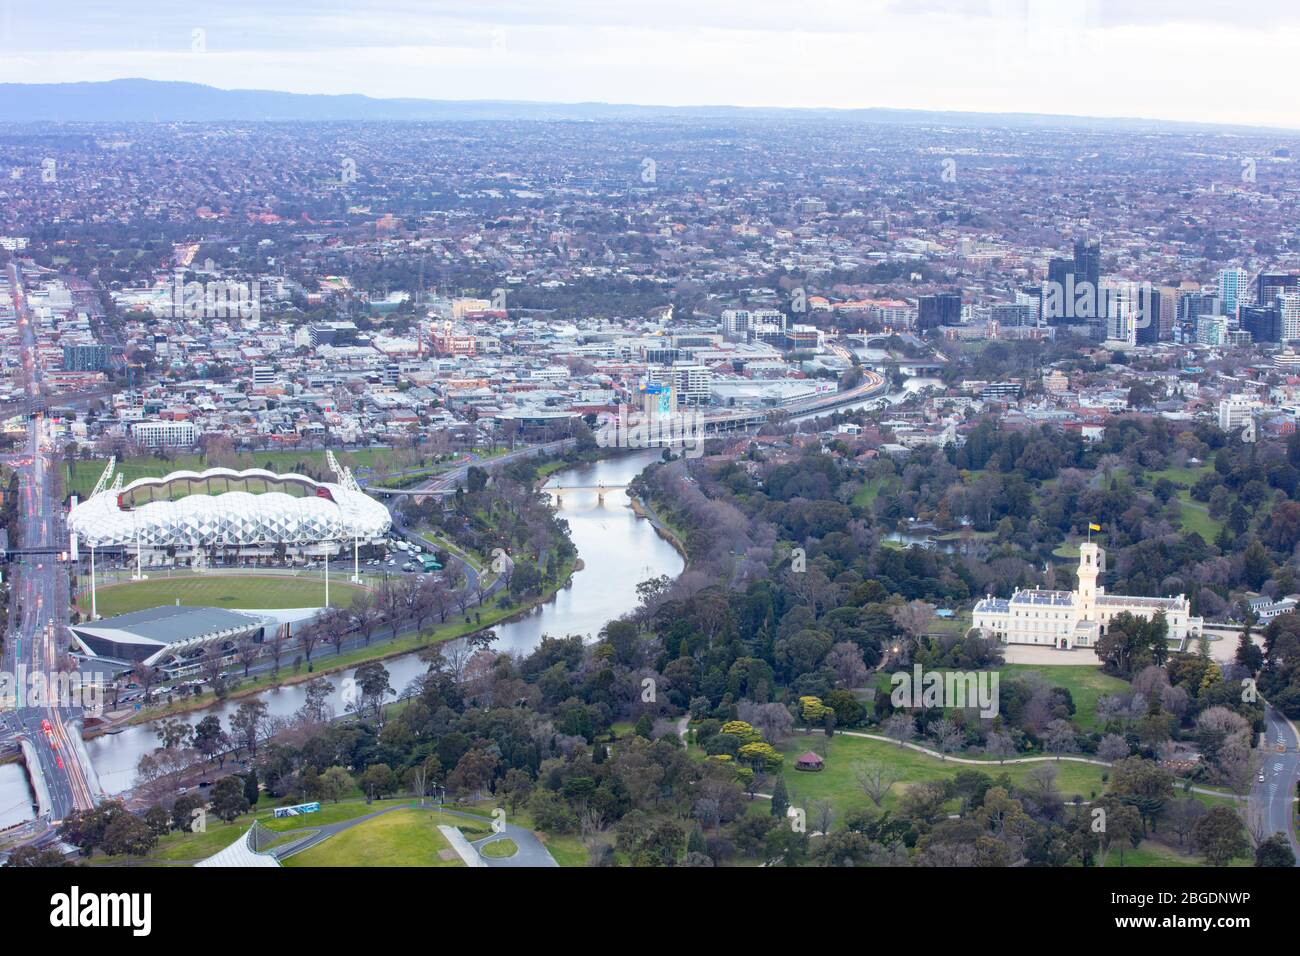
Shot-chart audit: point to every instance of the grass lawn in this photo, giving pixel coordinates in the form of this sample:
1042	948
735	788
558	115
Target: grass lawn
400	838
1194	516
870	489
232	591
837	782
1085	685
1150	853
219	835
499	849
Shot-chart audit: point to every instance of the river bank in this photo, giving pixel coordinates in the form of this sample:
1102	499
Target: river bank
645	510
402	645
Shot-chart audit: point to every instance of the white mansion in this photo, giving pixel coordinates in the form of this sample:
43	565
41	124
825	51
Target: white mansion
1077	618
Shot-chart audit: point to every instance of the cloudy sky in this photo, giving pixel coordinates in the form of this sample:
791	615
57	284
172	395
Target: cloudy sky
1206	60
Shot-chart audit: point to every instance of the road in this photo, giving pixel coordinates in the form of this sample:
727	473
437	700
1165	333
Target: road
39	599
1271	799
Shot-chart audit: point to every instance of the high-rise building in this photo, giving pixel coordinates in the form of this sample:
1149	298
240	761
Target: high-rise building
1087	261
1013	314
936	310
1148	321
736	323
1263	322
1211	329
1289	305
690	383
1233	285
1269	285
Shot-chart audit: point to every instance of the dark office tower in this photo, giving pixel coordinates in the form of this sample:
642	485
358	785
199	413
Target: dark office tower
1146	329
1056	301
1263	322
1193	305
1087	261
1269	285
936	310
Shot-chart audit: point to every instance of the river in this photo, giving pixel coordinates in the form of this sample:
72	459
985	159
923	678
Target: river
618	551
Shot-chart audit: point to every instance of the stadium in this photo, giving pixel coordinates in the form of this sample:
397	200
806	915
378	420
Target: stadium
189	516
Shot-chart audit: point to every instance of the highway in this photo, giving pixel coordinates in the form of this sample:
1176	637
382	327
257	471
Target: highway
1271	798
39	598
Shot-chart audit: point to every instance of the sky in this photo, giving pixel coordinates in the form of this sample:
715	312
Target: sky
1221	61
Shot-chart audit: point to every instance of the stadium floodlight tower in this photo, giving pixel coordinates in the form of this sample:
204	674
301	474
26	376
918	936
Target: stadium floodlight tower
100	486
347	481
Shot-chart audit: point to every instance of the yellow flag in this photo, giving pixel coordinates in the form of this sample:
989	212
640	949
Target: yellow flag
1094	527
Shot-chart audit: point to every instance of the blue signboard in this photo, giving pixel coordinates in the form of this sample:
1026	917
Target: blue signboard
297	810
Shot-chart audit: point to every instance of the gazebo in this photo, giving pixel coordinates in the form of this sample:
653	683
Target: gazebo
809	761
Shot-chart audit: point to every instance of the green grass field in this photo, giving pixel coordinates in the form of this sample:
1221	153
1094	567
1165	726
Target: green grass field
1194	516
399	838
500	849
838	784
229	591
1085	685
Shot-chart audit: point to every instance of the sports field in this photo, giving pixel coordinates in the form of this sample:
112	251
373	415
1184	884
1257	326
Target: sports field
230	591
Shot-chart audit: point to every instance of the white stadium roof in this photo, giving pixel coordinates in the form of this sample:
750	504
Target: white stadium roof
331	512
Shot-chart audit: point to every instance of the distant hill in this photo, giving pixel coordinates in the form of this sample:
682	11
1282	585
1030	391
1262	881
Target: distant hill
136	100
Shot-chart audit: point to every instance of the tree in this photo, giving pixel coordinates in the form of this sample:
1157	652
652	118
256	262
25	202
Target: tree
1182	815
372	681
128	834
516	787
1143	785
761	756
1220	836
378	781
1114	747
1061	738
999	744
246	724
335	784
947	735
1275	851
210	739
1122	828
780	800
900	727
30	856
876	779
172	732
228	798
184	809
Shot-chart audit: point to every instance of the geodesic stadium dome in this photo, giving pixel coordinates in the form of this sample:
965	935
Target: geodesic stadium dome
289	509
